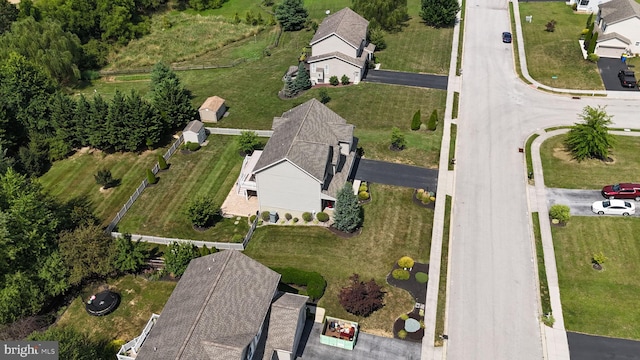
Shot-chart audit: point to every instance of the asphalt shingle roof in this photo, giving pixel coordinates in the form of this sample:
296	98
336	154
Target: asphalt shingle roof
194	125
617	10
283	323
212	103
217	308
346	24
336	54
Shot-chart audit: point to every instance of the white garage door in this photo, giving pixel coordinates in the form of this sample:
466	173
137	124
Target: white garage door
610	52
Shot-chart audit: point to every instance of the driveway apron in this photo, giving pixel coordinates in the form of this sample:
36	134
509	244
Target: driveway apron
609	69
408	79
590	347
381	172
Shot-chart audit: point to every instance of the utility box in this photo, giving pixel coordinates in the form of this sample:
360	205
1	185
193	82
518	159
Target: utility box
273	217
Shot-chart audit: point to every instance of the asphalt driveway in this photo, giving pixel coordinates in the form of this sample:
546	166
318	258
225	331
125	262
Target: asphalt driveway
590	347
381	172
579	201
408	79
609	69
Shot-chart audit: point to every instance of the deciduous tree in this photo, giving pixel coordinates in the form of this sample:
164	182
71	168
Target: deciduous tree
439	13
88	252
203	211
130	256
177	257
591	138
361	298
248	141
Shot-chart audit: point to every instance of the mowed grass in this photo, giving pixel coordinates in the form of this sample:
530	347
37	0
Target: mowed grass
561	171
210	171
557	53
600	302
139	299
73	178
179	36
393	227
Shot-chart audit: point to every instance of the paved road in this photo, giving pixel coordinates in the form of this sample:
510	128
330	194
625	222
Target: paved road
409	79
382	172
589	347
609	69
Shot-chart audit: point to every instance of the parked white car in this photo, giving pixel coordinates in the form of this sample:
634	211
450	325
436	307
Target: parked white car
613	207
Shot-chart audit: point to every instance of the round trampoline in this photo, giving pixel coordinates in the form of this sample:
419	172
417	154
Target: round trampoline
102	303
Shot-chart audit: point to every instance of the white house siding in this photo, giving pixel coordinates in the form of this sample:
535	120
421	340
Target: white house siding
591	7
331	44
630	29
283	355
285	188
335	67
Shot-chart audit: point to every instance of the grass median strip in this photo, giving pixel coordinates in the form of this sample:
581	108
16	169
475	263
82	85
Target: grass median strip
545	300
444	265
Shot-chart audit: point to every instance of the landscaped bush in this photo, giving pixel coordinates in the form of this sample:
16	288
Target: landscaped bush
360	298
344	80
151	179
560	212
306	216
406	262
191	146
363	187
402	334
295	220
363	195
433	121
334	80
593	57
401	274
322	216
287	216
313	281
162	164
252	218
264	216
422	277
416	122
404	317
324	96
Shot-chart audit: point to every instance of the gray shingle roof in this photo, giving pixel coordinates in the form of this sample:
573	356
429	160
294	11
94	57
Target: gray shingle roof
336	54
283	323
194	125
215	311
618	10
613	35
303	136
347	24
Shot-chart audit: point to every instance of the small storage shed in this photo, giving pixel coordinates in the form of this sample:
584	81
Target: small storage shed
212	109
195	132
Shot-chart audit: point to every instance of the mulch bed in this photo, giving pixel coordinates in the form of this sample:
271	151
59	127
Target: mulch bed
345	235
416	289
411	336
431	205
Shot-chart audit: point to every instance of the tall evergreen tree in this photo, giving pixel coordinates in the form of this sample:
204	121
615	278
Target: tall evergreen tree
291	15
348	213
439	13
385	14
82	121
98	126
63	109
87	251
117	130
173	103
302	82
8	14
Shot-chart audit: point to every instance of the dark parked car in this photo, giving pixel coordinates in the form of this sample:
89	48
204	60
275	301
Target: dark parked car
627	78
622	191
506	37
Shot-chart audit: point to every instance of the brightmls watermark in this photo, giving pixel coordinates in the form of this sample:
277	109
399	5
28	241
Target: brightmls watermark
41	350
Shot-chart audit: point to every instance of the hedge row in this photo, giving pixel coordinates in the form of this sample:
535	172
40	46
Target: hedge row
314	282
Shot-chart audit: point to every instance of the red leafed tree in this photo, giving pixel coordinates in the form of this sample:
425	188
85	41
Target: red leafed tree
361	298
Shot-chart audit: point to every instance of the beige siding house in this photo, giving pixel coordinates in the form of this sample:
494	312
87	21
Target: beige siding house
226	306
618	27
195	132
212	109
306	161
339	47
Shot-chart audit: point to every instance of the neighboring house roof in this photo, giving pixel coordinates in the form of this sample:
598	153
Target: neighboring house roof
194	126
346	24
212	104
614	35
306	136
217	308
619	10
359	62
283	323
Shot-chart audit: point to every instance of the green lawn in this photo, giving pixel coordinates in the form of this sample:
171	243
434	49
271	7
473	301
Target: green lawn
211	171
563	172
600	302
393	227
73	177
557	53
140	299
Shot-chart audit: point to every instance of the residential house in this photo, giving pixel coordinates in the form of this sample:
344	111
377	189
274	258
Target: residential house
589	6
304	164
618	27
226	306
340	47
212	109
194	132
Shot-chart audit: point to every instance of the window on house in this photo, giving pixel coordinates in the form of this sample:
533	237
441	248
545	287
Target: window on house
637	43
313	68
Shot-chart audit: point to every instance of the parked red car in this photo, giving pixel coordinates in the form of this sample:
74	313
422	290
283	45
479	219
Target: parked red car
622	191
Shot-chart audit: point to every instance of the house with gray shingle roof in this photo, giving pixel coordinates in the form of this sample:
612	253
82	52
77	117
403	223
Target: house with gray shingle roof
340	47
618	27
226	306
306	161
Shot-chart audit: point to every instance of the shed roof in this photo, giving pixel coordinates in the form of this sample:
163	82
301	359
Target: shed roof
194	126
215	311
212	103
346	24
619	10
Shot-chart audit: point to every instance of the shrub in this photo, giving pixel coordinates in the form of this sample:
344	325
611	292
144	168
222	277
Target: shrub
295	220
416	122
313	281
104	178
203	211
360	298
425	198
376	37
322	216
406	262
433	121
287	216
324	96
584	32
402	334
400	274
421	277
151	178
363	187
598	258
248	141
574	6
162	163
593	57
404	317
420	192
344	80
348	212
560	212
363	195
334	80
551	26
548	320
264	216
191	146
306	216
397	139
252	218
